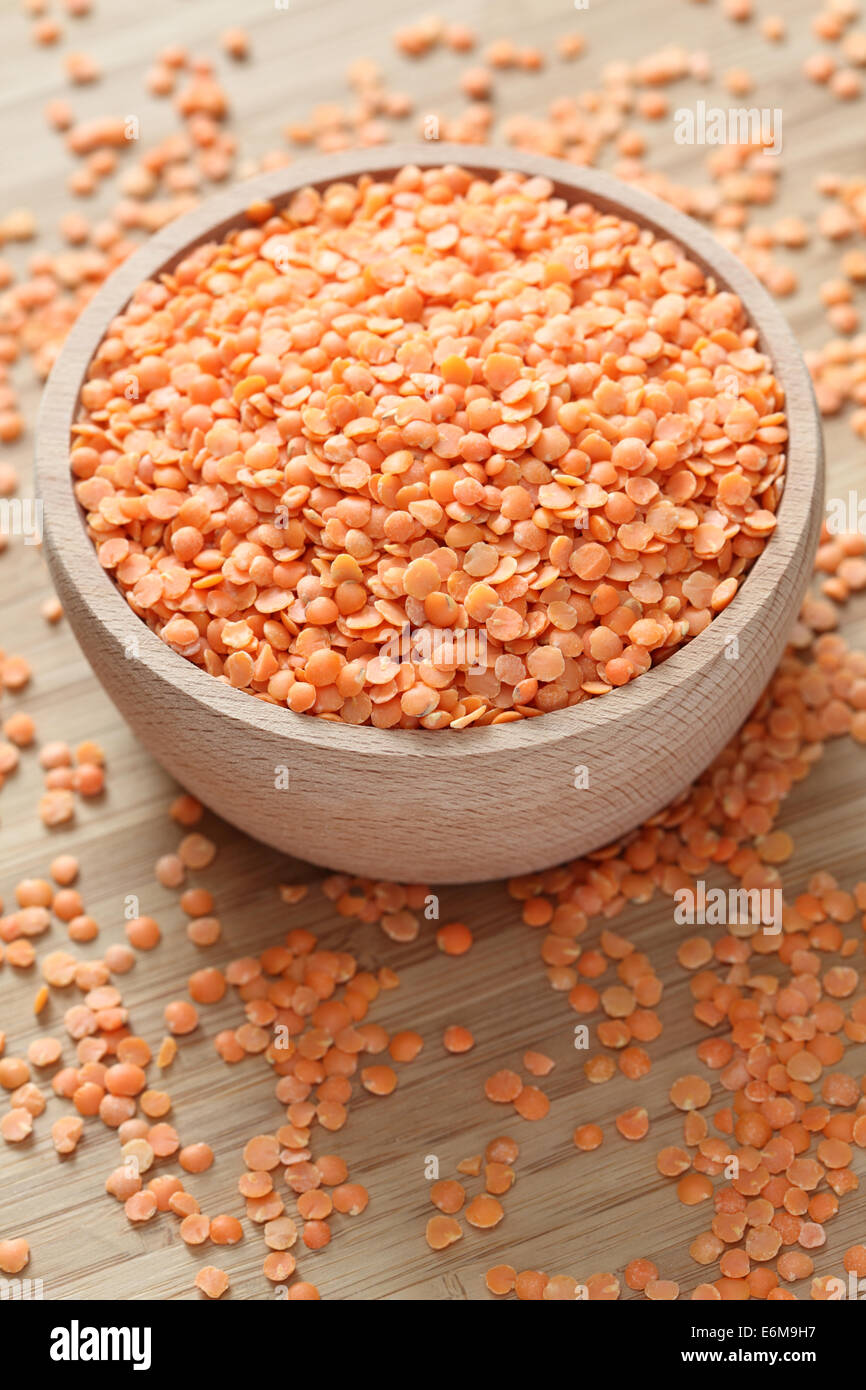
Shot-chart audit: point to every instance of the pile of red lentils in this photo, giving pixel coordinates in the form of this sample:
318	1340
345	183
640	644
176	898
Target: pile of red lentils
404	406
773	1086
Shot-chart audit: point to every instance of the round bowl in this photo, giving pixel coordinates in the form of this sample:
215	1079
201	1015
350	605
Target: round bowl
418	805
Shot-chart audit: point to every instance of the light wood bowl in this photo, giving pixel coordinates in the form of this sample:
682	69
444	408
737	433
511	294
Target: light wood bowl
444	806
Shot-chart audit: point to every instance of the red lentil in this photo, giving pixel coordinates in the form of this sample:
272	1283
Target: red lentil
457	1039
14	1255
442	1231
211	1281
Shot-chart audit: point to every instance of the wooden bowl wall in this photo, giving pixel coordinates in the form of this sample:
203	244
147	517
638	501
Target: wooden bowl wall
445	806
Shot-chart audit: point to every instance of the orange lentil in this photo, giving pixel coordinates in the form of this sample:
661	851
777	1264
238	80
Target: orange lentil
135	1050
226	1230
690	1093
638	1273
279	1266
141	1206
14	1255
125	1079
811	1235
181	1017
332	1169
634	1063
503	1086
138	1152
155	1103
255	1184
57	807
15	671
734	1264
501	1279
531	1103
662	1289
195	1158
350	1198
66	1133
457	1039
123	1182
316	1235
194	1229
183	1204
598	1070
484	1212
442	1231
633	1123
502	1150
204	931
281	1233
262	1153
16	1125
530	1284
706	1293
537	1064
448	1195
588	1137
143	933
20	729
706	1247
206	986
186	810
379	1080
266	1208
303	1291
315	1205
211	1281
169	871
235	42
694	953
794	1265
405	1046
454	939
498	1178
196	902
672	1161
196	851
694	1188
119	959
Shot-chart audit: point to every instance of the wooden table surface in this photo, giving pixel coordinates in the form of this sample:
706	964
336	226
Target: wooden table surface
569	1212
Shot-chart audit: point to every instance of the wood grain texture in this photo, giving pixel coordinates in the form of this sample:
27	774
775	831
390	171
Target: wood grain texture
447	806
568	1212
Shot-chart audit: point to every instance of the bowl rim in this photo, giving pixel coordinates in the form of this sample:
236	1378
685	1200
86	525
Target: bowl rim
71	550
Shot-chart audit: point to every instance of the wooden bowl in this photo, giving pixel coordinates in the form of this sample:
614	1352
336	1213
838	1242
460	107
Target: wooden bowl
442	806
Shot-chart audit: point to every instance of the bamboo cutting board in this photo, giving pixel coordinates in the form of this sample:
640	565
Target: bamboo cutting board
568	1212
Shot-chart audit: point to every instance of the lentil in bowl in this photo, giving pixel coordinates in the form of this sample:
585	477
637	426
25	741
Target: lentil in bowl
433	450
